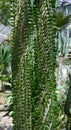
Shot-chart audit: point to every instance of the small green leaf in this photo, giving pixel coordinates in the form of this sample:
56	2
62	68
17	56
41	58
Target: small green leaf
11	113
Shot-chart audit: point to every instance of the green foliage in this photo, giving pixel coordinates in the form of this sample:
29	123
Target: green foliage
5	11
62	20
5	65
33	66
8	101
9	104
5	57
62	93
3	78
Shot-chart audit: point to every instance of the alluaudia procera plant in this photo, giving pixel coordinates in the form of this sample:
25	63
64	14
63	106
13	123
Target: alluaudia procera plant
33	65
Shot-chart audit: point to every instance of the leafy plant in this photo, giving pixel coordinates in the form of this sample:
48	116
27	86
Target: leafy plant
5	58
62	20
9	104
33	65
4	11
5	64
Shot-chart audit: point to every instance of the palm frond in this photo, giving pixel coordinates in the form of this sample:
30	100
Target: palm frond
62	20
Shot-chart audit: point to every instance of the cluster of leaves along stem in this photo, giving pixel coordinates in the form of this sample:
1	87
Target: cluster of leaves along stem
33	65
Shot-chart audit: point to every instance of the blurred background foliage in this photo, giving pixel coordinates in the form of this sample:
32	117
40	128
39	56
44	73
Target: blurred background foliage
5	12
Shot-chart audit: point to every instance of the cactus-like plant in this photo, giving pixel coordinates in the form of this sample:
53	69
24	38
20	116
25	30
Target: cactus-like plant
33	65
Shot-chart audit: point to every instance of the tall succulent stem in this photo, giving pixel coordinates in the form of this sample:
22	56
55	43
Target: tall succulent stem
33	66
